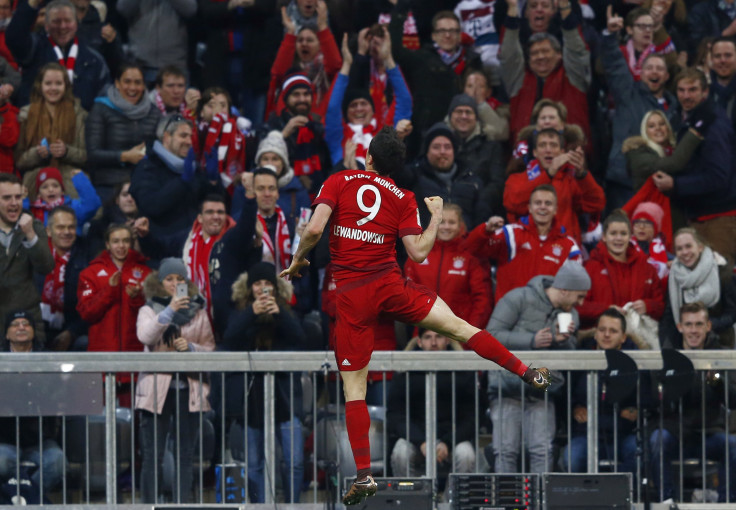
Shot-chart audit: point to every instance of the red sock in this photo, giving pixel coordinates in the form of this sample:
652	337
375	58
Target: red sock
486	346
359	423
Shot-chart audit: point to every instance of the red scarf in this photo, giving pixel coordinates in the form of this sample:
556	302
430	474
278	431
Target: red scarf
70	60
382	111
224	134
52	297
39	208
306	160
280	254
362	136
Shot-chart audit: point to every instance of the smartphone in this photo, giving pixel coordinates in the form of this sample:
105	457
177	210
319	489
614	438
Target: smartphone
267	291
181	290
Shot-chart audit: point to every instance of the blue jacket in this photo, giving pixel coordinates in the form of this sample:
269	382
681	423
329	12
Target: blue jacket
33	50
84	207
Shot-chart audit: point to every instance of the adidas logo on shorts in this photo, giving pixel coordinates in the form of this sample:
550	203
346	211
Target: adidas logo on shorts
345	363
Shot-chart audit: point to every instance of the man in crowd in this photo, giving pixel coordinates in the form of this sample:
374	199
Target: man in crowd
577	191
706	192
536	244
722	74
24	251
527	319
272	222
98	35
408	410
87	69
170	94
550	73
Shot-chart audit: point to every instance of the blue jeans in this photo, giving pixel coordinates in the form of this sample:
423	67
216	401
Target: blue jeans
579	453
53	463
256	479
715	449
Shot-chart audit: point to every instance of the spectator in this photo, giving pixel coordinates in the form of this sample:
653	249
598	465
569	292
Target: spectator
647	223
121	208
706	191
535	245
86	68
120	124
167	185
550	74
98	35
51	130
65	329
610	334
453	273
700	274
477	153
406	416
211	224
722	72
170	94
158	32
351	122
645	37
526	319
437	173
633	100
171	322
302	130
50	192
620	274
263	321
493	115
217	130
9	128
241	47
26	251
577	191
547	114
9	78
434	71
698	429
312	50
710	18
274	229
6	13
24	445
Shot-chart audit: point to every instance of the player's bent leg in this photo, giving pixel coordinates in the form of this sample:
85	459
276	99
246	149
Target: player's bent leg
444	321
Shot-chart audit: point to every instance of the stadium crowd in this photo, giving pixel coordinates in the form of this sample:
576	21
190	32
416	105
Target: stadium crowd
158	160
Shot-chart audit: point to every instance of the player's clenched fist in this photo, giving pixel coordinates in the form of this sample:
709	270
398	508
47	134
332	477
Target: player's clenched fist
434	204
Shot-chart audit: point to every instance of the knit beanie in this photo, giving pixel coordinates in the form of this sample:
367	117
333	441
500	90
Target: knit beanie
463	100
18	314
262	271
171	265
572	276
293	82
650	211
353	93
439	129
48	173
274	142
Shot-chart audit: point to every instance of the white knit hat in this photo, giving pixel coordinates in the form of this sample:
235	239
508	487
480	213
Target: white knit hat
274	142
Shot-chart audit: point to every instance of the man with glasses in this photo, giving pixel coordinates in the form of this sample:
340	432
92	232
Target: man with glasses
433	72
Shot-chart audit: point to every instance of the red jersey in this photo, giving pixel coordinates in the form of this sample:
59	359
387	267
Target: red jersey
369	213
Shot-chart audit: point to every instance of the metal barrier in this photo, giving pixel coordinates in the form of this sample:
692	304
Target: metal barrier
271	363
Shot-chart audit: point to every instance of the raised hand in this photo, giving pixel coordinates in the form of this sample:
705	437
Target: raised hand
288	23
347	57
614	23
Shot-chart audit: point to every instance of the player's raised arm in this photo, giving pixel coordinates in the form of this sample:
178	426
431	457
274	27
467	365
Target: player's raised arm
310	237
419	246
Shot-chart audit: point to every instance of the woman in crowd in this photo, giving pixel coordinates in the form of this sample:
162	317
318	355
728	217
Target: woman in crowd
51	130
171	321
620	274
263	321
698	274
547	114
456	275
314	52
122	120
120	209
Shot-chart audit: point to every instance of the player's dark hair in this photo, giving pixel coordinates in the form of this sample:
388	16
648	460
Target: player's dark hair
615	314
388	151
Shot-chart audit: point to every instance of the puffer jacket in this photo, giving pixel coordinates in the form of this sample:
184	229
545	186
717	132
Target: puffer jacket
618	283
151	391
109	132
109	311
458	278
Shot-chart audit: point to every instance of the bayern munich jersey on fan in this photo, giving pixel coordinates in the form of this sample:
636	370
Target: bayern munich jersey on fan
369	213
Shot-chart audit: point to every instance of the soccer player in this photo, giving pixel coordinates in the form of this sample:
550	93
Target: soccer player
370	212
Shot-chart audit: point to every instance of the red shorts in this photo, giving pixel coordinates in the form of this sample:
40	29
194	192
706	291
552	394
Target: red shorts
361	302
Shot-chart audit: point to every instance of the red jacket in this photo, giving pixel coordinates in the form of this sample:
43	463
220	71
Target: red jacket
574	196
458	278
109	311
520	253
9	131
618	283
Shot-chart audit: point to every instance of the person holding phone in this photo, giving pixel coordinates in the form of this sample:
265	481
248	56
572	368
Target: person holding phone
173	319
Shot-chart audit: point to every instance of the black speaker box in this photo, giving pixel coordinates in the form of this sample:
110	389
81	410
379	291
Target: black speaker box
601	491
404	493
494	491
